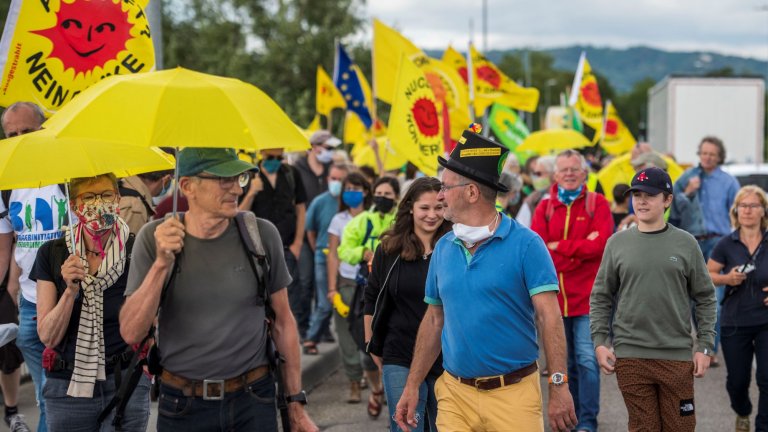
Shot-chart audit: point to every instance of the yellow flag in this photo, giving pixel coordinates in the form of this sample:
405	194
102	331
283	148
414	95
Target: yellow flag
415	129
327	96
616	138
53	49
388	47
585	95
457	62
491	85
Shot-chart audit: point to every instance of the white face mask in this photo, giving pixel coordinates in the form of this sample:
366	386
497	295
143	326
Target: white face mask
325	156
472	235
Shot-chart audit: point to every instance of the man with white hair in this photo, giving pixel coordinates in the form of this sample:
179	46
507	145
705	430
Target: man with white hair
575	224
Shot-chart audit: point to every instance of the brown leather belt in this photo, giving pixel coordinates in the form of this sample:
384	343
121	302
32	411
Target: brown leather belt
212	389
492	383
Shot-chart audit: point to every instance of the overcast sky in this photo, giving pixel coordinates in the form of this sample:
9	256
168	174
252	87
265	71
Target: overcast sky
725	26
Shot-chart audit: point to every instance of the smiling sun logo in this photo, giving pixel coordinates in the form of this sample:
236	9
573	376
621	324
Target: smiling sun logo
88	33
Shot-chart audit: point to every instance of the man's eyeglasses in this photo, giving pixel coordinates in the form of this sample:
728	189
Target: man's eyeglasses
227	182
90	198
273	157
444	187
570	170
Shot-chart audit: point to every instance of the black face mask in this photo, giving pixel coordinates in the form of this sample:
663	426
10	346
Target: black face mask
383	204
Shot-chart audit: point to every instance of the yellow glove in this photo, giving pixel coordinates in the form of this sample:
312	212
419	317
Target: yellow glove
339	305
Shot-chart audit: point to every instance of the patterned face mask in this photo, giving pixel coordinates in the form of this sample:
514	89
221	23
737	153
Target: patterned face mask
97	216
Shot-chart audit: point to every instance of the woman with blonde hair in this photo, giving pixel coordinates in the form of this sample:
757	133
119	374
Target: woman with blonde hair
740	262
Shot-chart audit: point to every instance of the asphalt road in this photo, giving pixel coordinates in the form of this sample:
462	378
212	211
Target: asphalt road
330	411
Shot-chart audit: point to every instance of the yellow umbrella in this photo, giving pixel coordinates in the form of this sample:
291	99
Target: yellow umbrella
39	159
178	108
553	140
620	170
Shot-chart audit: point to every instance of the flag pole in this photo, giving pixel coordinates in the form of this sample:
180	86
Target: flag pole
471	80
373	85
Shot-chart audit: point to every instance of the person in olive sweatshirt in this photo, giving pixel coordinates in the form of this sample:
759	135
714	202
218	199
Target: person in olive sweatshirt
647	279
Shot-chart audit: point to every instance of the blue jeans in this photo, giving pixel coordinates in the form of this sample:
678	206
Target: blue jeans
740	346
394	378
252	409
583	372
32	349
75	414
321	316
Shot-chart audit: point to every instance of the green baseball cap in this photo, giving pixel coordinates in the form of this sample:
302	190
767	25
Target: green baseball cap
222	162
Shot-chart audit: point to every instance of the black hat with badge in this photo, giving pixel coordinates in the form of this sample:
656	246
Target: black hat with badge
652	181
477	158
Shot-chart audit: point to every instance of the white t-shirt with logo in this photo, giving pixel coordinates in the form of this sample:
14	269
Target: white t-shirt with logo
36	216
339	221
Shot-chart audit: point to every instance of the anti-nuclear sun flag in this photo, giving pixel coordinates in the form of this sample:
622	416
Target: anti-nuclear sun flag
585	95
616	139
415	130
52	50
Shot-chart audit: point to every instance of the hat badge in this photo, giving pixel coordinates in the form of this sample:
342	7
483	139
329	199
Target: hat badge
642	177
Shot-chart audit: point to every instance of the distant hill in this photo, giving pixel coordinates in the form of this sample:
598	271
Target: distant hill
624	67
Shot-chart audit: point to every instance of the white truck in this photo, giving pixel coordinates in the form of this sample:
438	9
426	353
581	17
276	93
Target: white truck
683	110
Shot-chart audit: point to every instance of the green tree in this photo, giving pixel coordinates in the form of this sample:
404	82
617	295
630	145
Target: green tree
274	45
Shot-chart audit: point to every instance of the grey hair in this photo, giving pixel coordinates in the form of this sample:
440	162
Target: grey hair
16	105
487	193
571	153
513	182
548	162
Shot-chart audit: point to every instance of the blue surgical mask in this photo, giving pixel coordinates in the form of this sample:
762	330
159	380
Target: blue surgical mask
166	186
334	187
271	165
352	198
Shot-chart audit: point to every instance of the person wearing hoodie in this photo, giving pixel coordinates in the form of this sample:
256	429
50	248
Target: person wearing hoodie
575	224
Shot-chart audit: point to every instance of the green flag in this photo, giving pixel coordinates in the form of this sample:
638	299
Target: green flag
507	126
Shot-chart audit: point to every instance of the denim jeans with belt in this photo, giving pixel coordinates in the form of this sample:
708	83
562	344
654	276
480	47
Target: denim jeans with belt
251	409
583	372
75	414
31	348
394	377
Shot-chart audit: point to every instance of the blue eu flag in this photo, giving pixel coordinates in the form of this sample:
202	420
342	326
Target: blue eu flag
346	80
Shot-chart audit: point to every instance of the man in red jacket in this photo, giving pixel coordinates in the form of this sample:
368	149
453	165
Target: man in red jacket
575	224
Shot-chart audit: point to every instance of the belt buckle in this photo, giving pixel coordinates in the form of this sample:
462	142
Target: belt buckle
208	382
480	381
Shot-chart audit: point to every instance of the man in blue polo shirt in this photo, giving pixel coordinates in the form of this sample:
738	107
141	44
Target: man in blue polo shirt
490	282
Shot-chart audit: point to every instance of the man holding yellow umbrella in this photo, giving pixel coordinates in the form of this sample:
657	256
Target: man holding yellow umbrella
206	115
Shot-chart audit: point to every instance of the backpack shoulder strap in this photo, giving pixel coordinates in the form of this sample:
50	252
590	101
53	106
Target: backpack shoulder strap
128	192
368	231
288	171
6	196
250	236
591	203
550	209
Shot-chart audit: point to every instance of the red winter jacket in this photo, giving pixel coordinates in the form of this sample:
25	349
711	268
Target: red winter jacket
576	258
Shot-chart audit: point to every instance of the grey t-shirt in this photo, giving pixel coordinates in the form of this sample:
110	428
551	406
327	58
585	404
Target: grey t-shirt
211	323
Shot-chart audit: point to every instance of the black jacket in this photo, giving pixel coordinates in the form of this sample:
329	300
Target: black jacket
377	303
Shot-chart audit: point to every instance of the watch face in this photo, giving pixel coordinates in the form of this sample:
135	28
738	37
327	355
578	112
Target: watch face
557	378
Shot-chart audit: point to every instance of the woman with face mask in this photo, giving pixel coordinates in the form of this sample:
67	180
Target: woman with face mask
355	197
78	304
394	296
360	238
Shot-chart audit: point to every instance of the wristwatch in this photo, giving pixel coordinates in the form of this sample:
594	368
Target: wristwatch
558	378
300	397
707	352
